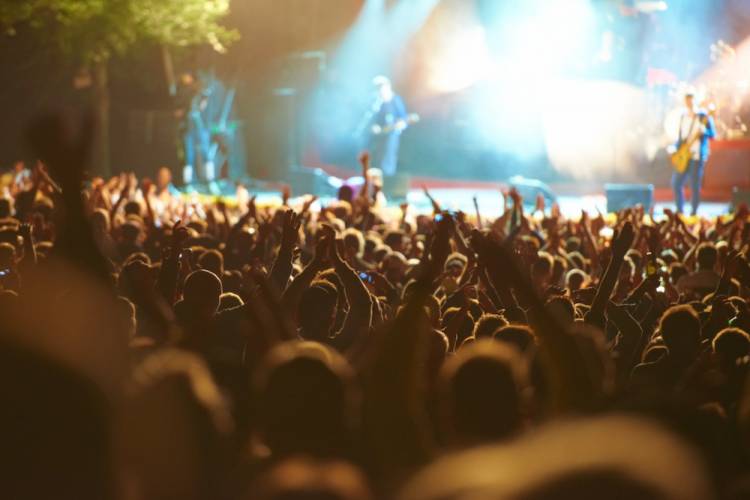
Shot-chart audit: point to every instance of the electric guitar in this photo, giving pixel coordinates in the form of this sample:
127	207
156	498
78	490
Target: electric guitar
399	124
681	158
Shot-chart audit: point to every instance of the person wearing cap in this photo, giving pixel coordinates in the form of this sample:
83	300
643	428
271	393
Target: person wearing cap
389	119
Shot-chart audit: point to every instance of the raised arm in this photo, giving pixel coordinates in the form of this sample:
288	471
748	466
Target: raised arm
621	243
282	265
293	293
629	339
359	318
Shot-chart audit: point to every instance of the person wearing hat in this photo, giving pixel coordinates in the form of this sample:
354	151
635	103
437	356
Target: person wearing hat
389	119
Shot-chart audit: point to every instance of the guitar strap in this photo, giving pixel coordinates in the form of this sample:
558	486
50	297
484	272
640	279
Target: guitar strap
690	132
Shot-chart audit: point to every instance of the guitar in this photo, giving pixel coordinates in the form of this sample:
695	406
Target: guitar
400	125
680	159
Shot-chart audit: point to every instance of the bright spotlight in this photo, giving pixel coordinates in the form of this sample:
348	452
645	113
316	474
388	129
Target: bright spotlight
460	63
592	129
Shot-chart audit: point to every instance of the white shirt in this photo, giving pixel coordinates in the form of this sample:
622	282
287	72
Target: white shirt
689	125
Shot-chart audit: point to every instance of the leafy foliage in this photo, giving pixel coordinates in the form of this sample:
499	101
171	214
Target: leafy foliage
94	30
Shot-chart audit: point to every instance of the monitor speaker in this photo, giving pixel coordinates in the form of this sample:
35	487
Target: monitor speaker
620	196
396	187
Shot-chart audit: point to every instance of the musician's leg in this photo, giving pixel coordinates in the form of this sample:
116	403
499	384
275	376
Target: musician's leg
678	186
189	159
390	155
696	180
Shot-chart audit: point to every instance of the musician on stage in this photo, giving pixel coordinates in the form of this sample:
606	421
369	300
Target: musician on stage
388	119
191	103
696	129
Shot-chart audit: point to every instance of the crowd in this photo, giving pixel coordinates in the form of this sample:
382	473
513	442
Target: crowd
158	346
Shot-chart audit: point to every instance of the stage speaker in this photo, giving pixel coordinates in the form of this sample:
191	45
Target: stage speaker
739	196
621	196
396	187
304	180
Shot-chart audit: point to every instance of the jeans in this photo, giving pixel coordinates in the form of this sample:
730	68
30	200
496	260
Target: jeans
385	153
196	144
695	171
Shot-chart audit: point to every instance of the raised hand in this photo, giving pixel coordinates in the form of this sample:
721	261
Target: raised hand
308	203
290	228
252	209
623	240
179	236
364	162
25	230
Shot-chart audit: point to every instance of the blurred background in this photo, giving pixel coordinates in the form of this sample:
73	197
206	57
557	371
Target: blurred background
564	91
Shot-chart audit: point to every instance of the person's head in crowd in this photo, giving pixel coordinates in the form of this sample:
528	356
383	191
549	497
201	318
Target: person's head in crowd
455	264
126	317
394	240
577	261
481	393
466	326
245	241
572	459
487	324
56	424
301	478
163	179
232	281
354	244
212	260
706	257
519	336
654	353
559	270
680	329
7	256
229	300
562	308
731	345
371	243
173	437
394	267
345	193
308	400
572	244
575	279
316	315
136	279
100	222
202	293
541	270
131	232
6	208
669	256
437	353
133	208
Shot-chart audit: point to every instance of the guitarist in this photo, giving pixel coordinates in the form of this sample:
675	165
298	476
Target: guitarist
388	120
696	129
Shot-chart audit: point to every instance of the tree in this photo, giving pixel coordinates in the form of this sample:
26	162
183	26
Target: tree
93	31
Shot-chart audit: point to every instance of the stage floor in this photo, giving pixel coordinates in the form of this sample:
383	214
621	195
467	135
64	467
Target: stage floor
490	202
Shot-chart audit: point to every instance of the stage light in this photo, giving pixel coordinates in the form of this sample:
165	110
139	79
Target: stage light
461	63
593	129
